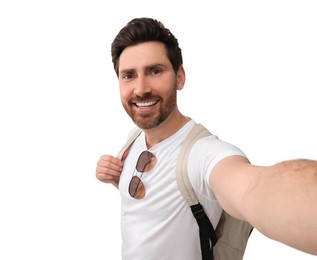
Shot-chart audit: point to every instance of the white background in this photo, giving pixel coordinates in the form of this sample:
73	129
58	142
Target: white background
251	79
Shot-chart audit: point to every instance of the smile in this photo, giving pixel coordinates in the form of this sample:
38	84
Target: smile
146	104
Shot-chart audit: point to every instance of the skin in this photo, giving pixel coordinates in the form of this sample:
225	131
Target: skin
280	200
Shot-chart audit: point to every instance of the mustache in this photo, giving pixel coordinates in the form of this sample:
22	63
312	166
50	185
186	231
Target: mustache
145	97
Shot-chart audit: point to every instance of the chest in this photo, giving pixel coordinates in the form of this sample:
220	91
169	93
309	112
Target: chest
160	183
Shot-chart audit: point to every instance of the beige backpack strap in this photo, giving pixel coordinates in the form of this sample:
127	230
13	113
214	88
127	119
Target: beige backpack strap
129	142
183	181
207	235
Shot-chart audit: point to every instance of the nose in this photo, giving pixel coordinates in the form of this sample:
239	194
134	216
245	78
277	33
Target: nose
142	86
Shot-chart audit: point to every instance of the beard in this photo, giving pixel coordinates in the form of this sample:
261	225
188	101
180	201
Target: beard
152	119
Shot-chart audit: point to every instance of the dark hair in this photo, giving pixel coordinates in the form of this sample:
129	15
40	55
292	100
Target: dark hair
141	30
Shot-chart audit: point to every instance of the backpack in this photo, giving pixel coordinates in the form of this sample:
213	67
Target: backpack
229	239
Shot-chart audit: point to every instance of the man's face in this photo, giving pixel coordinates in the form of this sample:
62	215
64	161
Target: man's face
148	84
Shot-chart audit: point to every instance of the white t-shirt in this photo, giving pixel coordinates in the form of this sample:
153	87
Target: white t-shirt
161	226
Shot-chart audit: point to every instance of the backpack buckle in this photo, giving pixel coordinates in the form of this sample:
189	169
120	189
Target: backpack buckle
198	211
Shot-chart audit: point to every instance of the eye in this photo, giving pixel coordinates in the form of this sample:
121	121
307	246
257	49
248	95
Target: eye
156	71
127	76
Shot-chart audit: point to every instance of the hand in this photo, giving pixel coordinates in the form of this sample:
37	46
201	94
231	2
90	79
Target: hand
109	169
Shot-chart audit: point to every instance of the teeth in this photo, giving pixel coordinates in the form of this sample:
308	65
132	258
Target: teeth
145	104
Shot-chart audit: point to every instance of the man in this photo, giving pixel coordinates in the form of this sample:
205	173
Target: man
280	201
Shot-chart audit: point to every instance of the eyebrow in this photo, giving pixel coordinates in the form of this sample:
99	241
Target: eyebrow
156	65
126	71
150	66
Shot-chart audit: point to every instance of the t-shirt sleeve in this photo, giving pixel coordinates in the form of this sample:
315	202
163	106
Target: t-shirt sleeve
203	157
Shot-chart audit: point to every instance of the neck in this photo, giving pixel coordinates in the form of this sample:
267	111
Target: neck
167	128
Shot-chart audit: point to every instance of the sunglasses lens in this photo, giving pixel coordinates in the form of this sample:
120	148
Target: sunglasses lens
136	188
146	162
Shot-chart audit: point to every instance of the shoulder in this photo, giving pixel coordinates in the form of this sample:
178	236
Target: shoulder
210	150
204	156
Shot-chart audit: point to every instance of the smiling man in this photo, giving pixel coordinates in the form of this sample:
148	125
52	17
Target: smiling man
278	200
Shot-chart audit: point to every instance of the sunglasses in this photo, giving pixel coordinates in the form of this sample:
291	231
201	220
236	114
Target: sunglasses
145	163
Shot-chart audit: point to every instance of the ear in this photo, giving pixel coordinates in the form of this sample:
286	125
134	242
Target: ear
181	77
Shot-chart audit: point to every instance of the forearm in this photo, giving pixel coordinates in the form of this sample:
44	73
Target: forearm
283	204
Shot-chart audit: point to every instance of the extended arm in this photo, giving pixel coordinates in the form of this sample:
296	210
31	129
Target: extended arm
280	201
